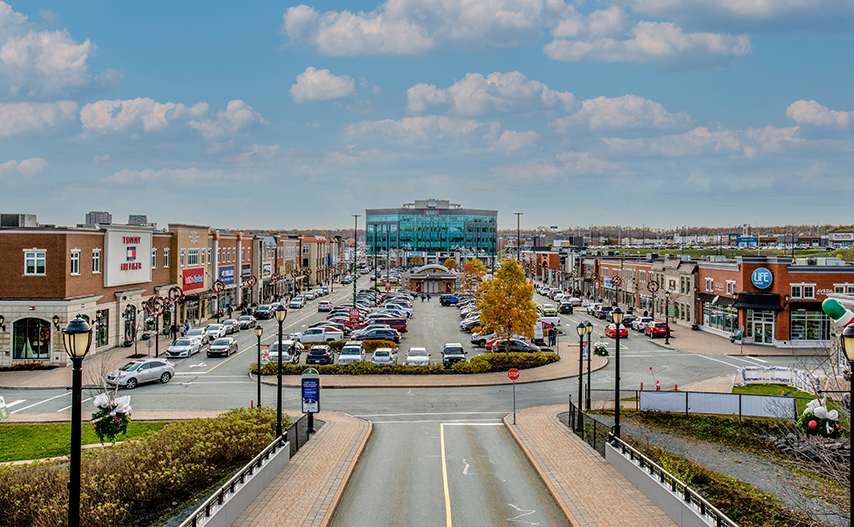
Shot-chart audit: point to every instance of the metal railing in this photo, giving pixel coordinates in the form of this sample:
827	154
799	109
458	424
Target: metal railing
688	495
292	435
593	432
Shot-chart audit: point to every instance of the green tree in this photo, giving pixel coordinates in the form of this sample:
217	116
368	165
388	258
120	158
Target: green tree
416	260
451	264
507	303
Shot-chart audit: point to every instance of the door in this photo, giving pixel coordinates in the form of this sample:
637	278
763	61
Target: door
763	332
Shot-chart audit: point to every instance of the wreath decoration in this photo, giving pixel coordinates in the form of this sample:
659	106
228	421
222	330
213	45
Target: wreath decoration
154	305
653	286
595	277
817	420
176	295
250	281
573	274
600	349
307	271
617	282
294	273
218	286
112	418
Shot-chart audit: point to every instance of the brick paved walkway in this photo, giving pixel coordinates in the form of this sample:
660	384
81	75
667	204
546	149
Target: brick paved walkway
307	492
587	489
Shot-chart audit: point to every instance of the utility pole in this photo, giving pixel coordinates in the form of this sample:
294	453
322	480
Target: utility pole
518	239
356	251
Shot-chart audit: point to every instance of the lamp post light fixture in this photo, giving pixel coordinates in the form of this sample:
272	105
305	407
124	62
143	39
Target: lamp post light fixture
589	327
76	338
258	332
617	315
281	315
848	350
667	317
581	329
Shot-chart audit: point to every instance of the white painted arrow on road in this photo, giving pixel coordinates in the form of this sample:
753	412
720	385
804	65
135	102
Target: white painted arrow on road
200	365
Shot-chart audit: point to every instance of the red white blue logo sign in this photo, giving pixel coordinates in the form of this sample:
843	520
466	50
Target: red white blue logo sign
131	254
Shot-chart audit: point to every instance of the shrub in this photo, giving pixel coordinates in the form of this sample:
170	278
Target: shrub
371	345
519	361
336	345
477	365
133	480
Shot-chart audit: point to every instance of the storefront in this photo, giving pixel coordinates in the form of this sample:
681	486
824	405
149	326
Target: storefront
719	315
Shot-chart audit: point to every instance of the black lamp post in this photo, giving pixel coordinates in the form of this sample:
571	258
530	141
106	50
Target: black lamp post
281	315
76	337
581	330
617	315
848	349
667	317
589	327
258	332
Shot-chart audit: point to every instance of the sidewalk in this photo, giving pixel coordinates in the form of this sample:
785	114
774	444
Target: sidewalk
683	338
586	488
307	492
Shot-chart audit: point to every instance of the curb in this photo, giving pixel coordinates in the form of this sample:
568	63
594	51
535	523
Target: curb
567	514
336	500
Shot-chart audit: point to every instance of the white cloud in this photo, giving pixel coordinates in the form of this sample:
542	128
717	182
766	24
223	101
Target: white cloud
496	93
620	113
583	162
414	26
35	63
653	42
116	116
812	113
763	14
511	141
23	117
258	153
102	160
236	117
315	85
701	141
27	167
431	130
180	176
534	171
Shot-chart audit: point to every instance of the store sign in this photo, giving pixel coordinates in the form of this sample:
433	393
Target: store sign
842	236
126	258
226	274
268	269
761	278
245	271
194	279
431	212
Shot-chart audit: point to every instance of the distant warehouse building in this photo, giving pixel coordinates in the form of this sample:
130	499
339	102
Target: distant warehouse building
433	229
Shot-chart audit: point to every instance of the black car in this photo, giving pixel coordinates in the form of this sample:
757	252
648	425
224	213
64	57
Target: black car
565	308
627	320
380	334
453	353
468	325
515	346
263	312
604	312
319	355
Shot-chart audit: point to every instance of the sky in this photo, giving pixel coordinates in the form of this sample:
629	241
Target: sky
281	115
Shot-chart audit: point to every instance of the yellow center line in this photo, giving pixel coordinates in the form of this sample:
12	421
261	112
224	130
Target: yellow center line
445	476
226	360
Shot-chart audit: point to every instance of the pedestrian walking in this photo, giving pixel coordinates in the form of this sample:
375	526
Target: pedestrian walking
428	297
552	337
174	331
228	307
422	297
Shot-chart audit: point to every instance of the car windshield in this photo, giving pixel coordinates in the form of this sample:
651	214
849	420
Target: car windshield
298	297
261	308
182	342
453	351
194	332
244	318
417	352
221	342
130	366
381	354
214	327
285	344
350	351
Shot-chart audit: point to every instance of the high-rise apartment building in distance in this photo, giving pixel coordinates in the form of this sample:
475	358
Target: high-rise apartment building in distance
99	217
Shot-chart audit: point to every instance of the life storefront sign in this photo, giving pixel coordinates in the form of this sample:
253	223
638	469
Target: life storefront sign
761	278
193	279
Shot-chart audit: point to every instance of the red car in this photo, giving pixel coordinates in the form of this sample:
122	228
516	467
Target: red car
611	331
657	329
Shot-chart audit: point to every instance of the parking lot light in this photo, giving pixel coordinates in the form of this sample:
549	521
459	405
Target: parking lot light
258	332
617	316
581	330
589	327
281	315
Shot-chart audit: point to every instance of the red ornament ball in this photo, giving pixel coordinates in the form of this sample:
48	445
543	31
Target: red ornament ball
813	424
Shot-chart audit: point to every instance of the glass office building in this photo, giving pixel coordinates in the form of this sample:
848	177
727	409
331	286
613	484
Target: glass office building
433	229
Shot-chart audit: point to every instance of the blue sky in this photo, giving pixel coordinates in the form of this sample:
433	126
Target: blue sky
287	115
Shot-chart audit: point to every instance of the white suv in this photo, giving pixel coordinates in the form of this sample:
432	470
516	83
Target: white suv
353	351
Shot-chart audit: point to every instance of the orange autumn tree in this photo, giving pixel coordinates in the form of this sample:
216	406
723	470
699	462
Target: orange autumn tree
451	264
416	260
507	304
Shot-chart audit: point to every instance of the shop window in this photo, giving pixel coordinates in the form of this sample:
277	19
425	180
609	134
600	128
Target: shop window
75	262
154	258
31	339
102	328
192	257
796	291
849	289
96	261
203	253
35	262
183	257
166	258
809	325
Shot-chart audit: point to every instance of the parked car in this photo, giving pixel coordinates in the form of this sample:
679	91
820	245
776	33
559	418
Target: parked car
448	300
263	312
384	356
324	305
198	333
184	347
297	302
480	339
353	351
141	371
215	331
627	320
417	357
611	330
592	308
657	329
603	311
514	346
224	346
369	327
310	295
396	323
565	308
639	324
288	347
318	334
470	323
452	353
231	326
247	321
380	334
319	354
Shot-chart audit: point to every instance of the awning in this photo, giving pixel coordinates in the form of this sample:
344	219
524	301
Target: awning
716	300
759	301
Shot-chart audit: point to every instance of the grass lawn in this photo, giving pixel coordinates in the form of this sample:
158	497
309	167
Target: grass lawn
20	441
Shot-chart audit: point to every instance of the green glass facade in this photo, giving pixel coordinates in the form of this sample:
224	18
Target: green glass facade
433	227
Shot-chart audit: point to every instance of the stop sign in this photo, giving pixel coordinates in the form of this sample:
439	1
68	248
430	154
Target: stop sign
513	374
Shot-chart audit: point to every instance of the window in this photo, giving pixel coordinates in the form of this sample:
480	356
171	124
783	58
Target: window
306	249
31	339
710	284
75	261
154	258
730	287
96	261
796	291
803	291
166	258
809	291
35	262
192	257
183	257
810	325
682	284
242	254
203	256
231	254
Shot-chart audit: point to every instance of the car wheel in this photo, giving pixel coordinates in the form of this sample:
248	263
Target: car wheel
131	384
165	377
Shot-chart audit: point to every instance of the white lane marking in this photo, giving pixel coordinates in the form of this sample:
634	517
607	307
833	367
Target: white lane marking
429	413
466	468
748	358
410	393
219	382
14	403
199	365
526	512
446	423
189	372
716	360
42	402
70	405
458	423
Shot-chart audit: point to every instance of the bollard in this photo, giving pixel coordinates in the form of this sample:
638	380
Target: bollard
675	387
251	404
641	387
657	387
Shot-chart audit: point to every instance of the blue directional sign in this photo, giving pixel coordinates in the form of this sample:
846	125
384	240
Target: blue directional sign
761	278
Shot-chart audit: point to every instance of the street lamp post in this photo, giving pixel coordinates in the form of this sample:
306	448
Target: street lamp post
667	317
356	250
518	238
617	315
589	327
258	332
281	315
76	338
848	349
581	330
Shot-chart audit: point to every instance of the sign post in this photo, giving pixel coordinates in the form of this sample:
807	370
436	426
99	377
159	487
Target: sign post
310	395
513	374
4	411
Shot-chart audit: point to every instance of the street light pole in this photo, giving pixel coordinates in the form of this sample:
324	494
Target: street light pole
589	327
667	317
76	338
848	350
518	238
281	315
258	332
356	250
617	316
581	330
